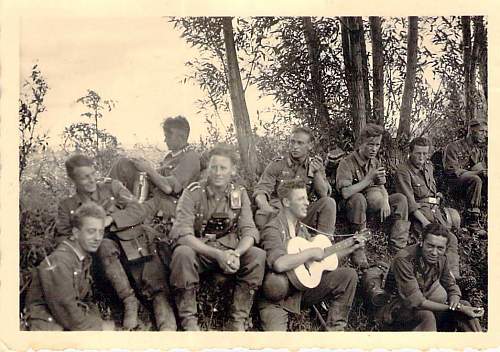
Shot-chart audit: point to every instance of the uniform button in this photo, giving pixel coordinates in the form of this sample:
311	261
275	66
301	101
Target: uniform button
175	201
50	319
72	212
112	198
75	273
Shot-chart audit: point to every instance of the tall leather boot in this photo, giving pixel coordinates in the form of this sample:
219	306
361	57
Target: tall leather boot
115	273
164	314
399	235
243	297
338	315
185	300
358	257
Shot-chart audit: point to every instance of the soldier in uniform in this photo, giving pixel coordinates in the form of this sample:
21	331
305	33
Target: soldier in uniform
124	216
214	231
57	298
297	164
415	179
360	180
179	168
466	165
427	297
281	298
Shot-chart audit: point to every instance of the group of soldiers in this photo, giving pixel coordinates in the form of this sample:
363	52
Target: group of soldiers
216	229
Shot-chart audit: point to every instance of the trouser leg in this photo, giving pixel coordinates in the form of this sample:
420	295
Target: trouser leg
248	280
473	186
322	215
356	207
272	316
108	254
340	287
424	320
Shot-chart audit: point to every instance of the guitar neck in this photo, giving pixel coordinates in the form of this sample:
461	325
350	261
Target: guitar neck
339	246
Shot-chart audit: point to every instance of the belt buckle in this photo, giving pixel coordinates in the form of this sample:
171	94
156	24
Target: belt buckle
210	236
433	200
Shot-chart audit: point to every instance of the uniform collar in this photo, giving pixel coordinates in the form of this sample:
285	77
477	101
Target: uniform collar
71	244
360	161
211	192
282	218
172	154
80	198
290	162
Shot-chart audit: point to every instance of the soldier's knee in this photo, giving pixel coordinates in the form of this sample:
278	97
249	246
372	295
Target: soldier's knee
357	201
108	248
454	218
256	254
452	241
425	317
350	275
400	199
183	254
327	202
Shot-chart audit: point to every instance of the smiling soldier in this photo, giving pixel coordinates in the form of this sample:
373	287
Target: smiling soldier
58	295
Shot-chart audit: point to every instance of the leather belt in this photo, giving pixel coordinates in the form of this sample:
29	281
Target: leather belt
430	200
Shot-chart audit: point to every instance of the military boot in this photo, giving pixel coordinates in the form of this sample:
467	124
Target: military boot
399	235
164	314
358	257
185	300
338	315
240	309
115	273
373	283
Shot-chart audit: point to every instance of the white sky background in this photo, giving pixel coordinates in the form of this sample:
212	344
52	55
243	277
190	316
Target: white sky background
138	62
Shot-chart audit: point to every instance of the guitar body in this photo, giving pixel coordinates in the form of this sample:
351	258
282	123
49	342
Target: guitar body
308	275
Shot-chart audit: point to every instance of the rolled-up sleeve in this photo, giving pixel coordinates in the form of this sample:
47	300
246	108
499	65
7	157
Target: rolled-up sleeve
246	225
344	176
451	160
272	243
186	171
448	281
57	284
184	217
267	181
403	185
407	284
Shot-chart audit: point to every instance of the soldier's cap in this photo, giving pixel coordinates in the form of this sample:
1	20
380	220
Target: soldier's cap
477	122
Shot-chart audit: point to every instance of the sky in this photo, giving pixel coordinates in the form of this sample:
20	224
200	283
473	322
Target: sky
138	62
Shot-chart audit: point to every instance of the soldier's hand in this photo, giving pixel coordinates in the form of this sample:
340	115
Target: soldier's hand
479	167
316	254
454	302
385	211
472	312
315	164
374	174
224	260
143	165
235	259
108	325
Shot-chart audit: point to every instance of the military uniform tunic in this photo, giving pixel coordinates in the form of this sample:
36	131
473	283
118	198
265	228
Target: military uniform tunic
196	206
460	156
419	187
322	210
340	283
60	286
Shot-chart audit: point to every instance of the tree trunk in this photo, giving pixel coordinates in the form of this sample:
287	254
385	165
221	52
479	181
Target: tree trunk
353	62
409	87
481	45
241	118
364	64
378	70
469	88
315	68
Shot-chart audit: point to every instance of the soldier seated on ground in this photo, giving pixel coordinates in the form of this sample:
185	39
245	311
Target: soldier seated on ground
214	231
466	165
299	163
57	298
179	168
426	296
281	298
127	244
360	180
415	179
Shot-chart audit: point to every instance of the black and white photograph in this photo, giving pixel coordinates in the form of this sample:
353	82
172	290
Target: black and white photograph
263	173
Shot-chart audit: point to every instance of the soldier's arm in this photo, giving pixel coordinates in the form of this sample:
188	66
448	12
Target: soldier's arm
57	283
321	184
403	185
451	162
130	212
344	181
63	221
449	283
265	186
246	226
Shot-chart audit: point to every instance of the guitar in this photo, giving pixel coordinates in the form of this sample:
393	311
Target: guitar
308	275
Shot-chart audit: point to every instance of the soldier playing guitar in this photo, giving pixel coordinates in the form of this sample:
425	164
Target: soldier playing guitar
337	286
